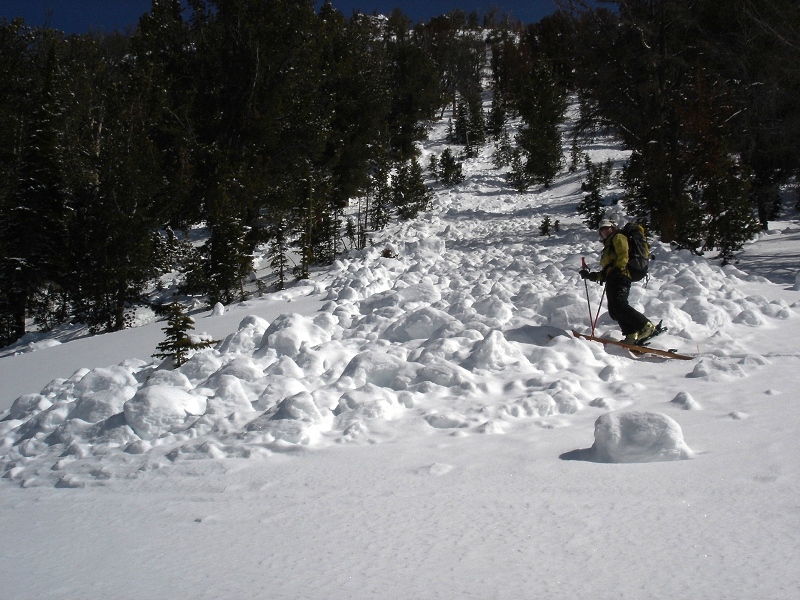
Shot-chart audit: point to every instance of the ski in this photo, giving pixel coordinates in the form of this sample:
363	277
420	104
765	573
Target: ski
633	347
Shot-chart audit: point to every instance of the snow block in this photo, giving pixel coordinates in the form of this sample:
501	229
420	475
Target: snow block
94	407
289	332
495	352
634	437
154	410
686	401
417	325
373	367
247	337
28	405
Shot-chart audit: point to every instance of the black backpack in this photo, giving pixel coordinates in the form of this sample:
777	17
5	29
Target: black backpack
638	250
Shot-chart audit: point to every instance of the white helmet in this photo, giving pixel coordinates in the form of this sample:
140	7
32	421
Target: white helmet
606	223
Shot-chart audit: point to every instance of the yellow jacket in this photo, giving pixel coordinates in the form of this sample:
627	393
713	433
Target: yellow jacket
615	256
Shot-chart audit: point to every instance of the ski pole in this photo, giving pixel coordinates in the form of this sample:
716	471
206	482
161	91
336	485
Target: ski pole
586	285
594	324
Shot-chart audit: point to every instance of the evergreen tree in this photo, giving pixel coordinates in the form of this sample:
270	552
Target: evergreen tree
450	171
356	85
34	216
179	344
410	195
226	261
119	193
496	123
598	176
380	194
415	96
504	151
470	127
279	252
677	82
542	108
546	225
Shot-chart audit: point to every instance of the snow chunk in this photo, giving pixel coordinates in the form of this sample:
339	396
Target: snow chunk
705	313
372	367
420	324
634	437
299	407
428	247
410	297
105	379
41	345
288	333
201	366
251	331
446	421
94	407
155	409
367	403
564	310
495	352
296	420
716	370
169	378
495	308
278	387
686	402
749	317
27	406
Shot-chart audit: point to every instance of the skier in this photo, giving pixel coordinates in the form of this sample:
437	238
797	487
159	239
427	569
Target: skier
615	273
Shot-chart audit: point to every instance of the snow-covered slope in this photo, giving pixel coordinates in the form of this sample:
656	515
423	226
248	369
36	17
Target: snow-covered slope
424	426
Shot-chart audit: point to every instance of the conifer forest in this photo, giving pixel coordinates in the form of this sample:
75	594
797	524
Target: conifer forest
215	127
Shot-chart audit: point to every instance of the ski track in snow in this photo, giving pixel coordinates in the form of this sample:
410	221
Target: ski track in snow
422	427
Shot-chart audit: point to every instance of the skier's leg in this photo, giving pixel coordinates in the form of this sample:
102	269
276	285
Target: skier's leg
630	320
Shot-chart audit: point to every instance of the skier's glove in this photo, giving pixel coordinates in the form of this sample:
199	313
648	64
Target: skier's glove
585	274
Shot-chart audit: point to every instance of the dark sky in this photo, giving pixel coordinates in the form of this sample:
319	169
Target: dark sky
79	16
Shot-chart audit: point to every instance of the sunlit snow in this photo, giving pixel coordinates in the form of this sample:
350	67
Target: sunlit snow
425	426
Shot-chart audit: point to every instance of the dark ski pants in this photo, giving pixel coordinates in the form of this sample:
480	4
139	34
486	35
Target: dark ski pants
617	289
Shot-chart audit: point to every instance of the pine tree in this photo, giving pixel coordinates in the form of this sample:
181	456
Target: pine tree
179	344
496	123
415	95
598	176
380	193
410	195
451	172
279	252
33	223
541	105
119	190
689	89
545	226
226	259
476	124
504	151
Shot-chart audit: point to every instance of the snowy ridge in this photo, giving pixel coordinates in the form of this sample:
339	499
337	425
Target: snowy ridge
452	335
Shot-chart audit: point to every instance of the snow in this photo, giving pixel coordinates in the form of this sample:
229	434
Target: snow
424	426
634	437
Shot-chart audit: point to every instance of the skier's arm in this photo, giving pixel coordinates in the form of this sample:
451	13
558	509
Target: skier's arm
621	250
